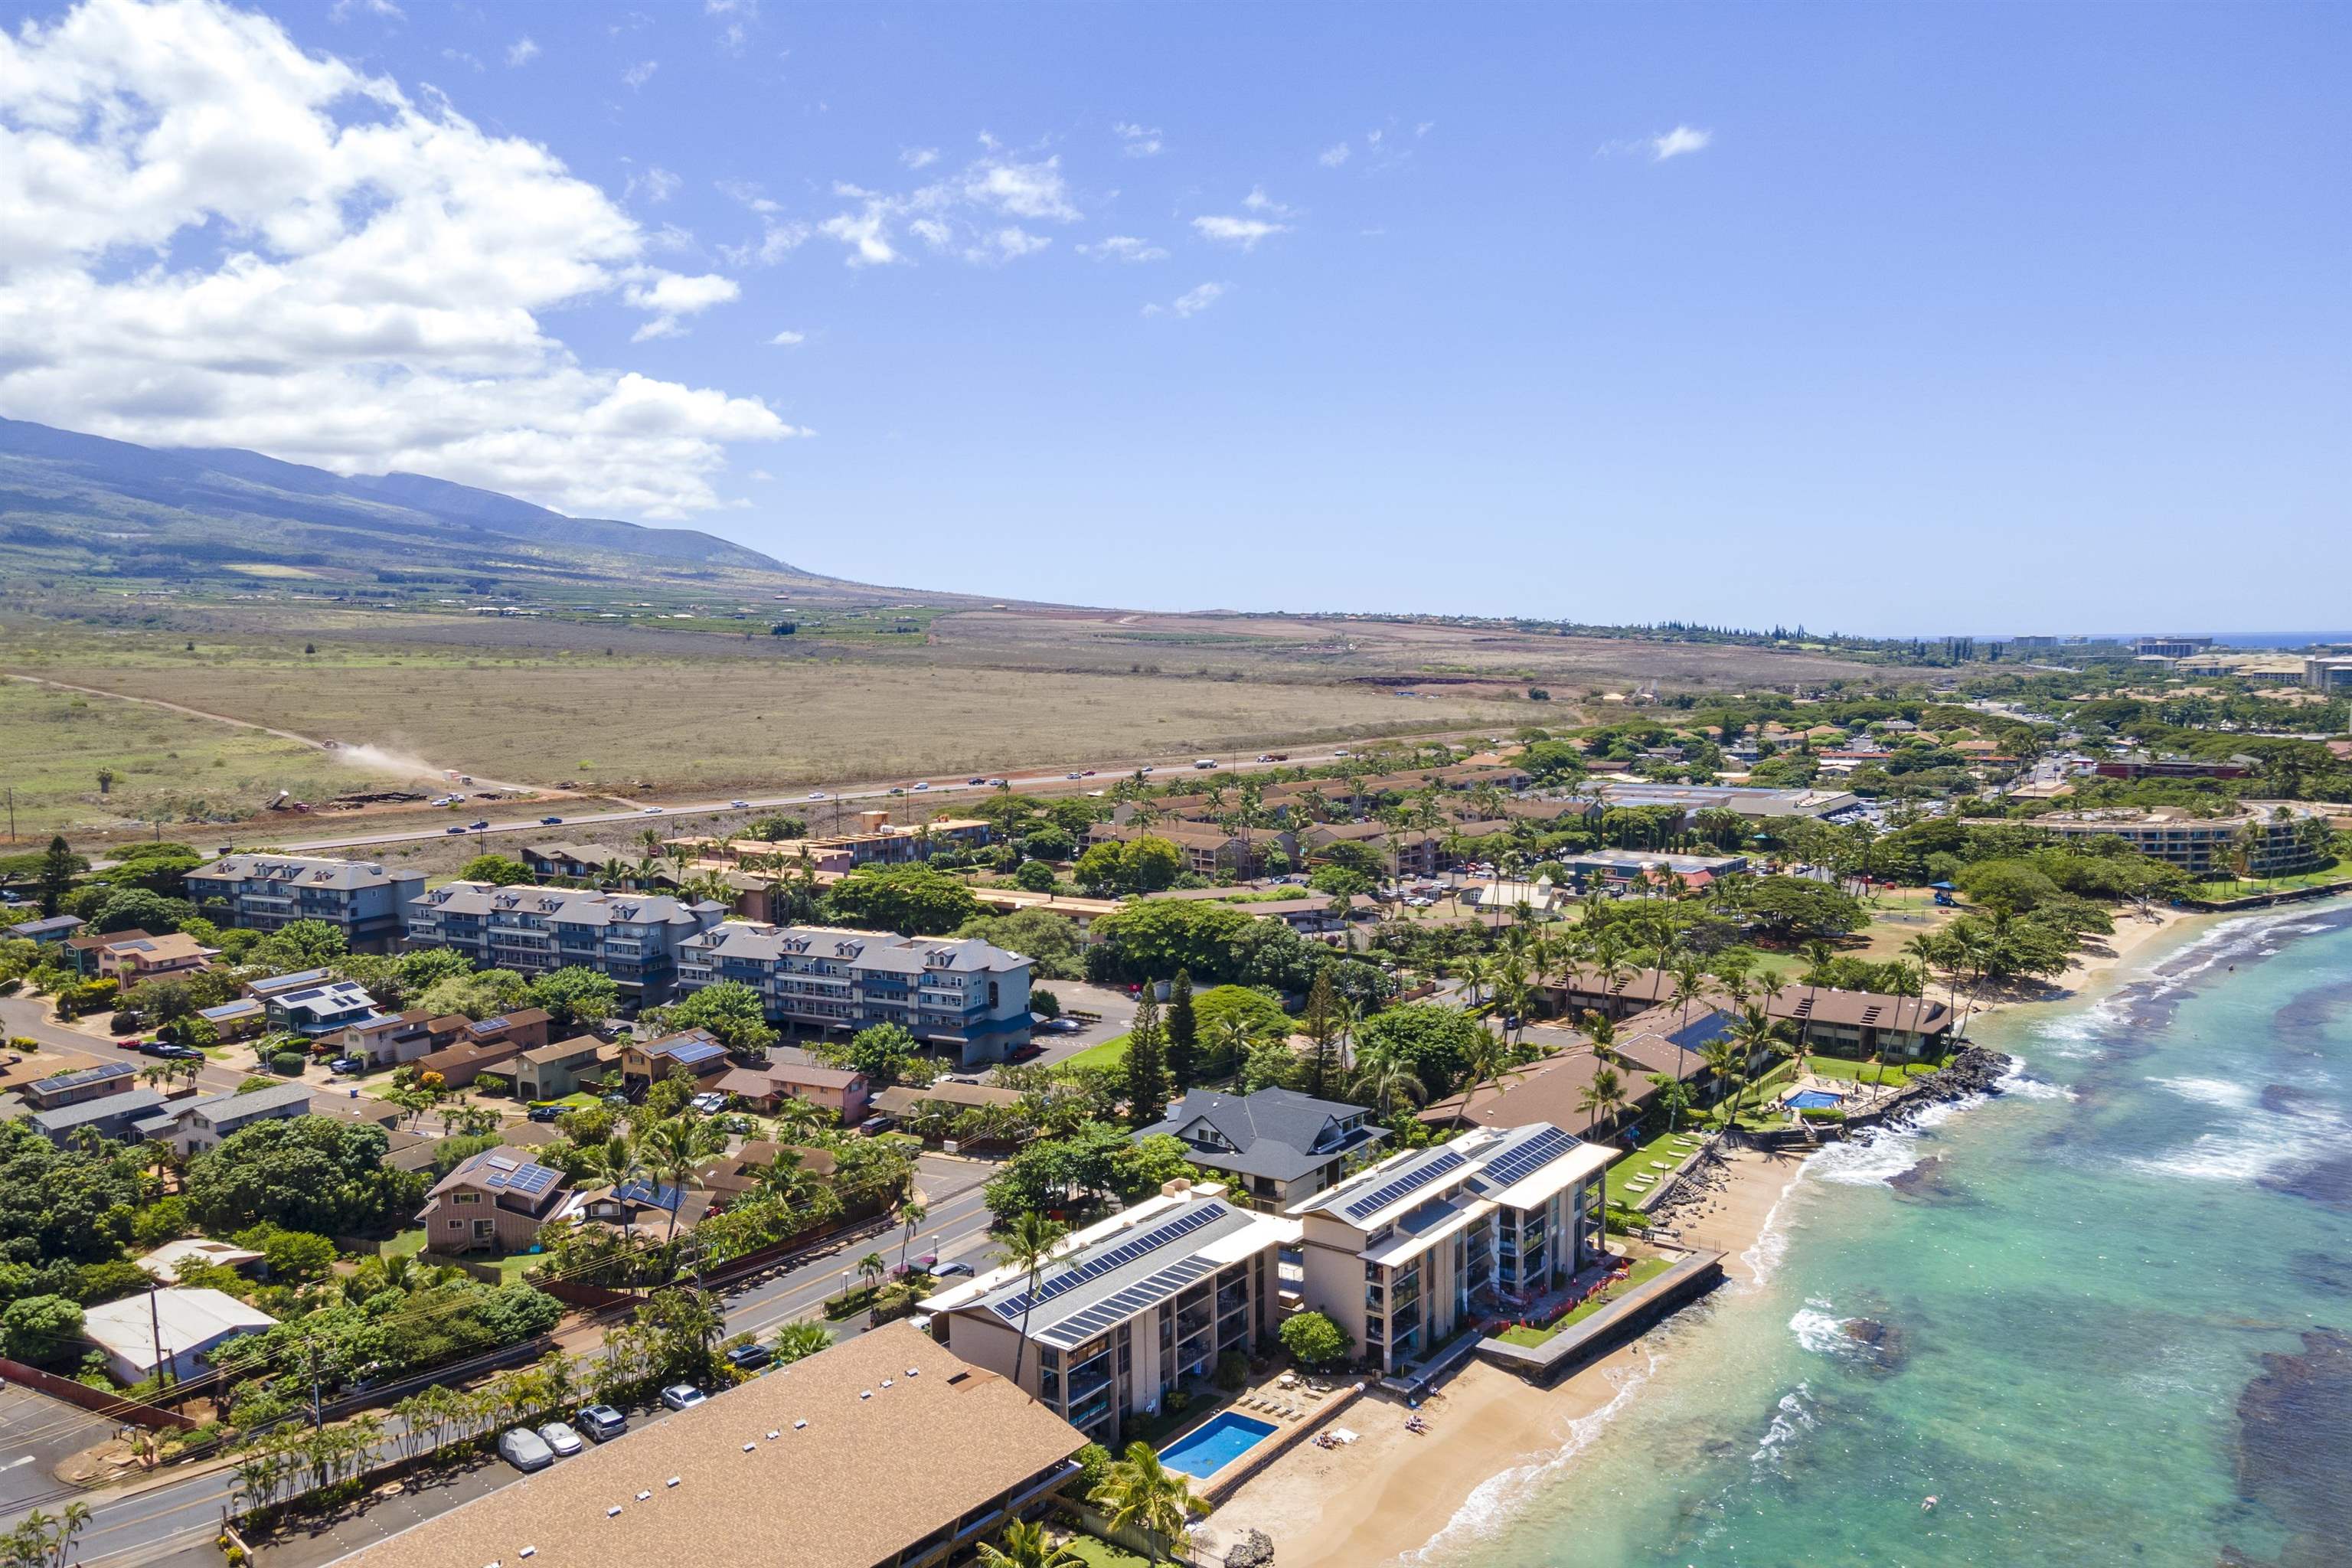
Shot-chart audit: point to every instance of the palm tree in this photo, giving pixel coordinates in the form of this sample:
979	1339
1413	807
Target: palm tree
1384	1081
1817	957
1751	1035
871	1268
672	1150
1024	1544
1723	1058
911	1214
798	1342
1604	1094
1141	1493
1028	1245
1690	984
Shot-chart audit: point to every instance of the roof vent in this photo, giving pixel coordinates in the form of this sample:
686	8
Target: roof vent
912	1372
528	1552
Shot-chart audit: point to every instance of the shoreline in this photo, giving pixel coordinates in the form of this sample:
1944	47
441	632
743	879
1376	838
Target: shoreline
1391	1497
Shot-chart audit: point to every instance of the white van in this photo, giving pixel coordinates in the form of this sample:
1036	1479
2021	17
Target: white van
1204	762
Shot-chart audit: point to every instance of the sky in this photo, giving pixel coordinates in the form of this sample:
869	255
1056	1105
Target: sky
1881	319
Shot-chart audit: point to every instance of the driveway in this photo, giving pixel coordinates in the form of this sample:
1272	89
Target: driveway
37	1435
1116	1008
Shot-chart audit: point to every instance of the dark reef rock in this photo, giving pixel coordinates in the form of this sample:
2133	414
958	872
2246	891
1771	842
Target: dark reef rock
2295	1447
1975	1071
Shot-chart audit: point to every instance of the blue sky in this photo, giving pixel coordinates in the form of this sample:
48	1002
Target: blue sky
1891	319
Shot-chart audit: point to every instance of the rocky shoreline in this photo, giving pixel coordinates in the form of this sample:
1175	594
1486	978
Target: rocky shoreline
1976	1070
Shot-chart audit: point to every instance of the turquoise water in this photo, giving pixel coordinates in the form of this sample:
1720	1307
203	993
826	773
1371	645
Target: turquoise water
2072	1314
1814	1099
1211	1446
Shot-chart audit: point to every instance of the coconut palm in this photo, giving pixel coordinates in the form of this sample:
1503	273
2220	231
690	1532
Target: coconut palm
1028	1245
1024	1544
1385	1082
798	1342
1722	1060
871	1268
672	1150
1141	1493
1604	1095
911	1214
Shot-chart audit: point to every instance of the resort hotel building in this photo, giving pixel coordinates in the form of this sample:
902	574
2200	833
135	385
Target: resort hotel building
1401	1254
1126	1309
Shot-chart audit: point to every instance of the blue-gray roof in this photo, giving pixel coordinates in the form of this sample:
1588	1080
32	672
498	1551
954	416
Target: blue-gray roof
1276	1133
129	1106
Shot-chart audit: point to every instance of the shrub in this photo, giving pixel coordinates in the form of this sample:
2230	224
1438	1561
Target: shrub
1043	1003
1177	1402
1232	1371
1093	1463
1822	1113
1315	1340
287	1064
124	1023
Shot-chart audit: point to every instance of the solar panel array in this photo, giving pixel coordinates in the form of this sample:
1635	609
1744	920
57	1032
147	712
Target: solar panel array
660	1195
1117	1257
694	1051
1080	1326
516	1176
1691	1036
1444	1163
81	1076
1530	1157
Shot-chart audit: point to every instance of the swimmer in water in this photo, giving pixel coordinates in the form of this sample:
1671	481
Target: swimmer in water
1928	1506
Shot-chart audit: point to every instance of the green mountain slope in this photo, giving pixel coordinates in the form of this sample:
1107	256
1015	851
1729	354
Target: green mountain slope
76	506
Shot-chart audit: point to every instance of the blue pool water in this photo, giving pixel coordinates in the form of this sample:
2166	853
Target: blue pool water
1814	1099
1208	1449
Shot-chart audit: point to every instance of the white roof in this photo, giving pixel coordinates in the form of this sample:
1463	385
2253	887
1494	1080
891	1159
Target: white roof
188	1321
165	1262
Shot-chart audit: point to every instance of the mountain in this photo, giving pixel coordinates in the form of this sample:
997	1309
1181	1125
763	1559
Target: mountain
85	506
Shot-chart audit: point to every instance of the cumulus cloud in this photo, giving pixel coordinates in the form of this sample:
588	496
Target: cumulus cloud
638	75
522	51
1674	143
1137	141
961	213
736	17
788	339
657	184
918	157
1336	154
1245	232
1123	247
1191	302
219	239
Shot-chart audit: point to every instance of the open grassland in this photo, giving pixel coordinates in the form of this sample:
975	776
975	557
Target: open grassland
712	725
181	769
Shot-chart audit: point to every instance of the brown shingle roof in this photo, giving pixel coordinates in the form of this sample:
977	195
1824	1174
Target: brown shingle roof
873	1470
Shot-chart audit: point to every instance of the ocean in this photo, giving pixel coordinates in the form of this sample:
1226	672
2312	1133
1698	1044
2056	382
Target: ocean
2102	1319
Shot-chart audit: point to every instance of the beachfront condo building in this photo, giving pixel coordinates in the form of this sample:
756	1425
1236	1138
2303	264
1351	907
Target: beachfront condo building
1403	1254
361	899
2264	838
634	938
1127	1309
967	998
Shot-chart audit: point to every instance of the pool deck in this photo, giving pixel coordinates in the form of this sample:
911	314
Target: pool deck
1288	1430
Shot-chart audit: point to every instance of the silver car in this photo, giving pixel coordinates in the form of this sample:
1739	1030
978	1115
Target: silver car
525	1450
561	1439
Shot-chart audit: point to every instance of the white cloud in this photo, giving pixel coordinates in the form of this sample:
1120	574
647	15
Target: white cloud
1257	201
788	338
522	51
738	17
342	10
1136	140
657	184
1682	139
638	75
219	239
1245	232
1424	128
918	157
1123	247
749	194
957	213
1191	302
1336	154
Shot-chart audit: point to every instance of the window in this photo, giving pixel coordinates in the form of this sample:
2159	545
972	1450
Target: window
463	1199
484	1229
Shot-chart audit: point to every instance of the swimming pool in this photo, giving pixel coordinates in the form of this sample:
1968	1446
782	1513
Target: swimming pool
1813	1100
1211	1447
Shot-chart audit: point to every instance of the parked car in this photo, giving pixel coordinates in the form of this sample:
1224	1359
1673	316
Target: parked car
951	1271
133	1044
710	1103
1029	1052
874	1126
525	1450
750	1358
545	1110
1063	1026
561	1439
602	1423
345	1065
682	1396
551	822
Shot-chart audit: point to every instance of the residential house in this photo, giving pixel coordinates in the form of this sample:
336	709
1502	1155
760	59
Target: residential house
119	1116
1128	1307
1208	849
201	1124
266	891
968	997
1848	1023
137	959
465	1049
1552	1091
165	1262
312	1003
48	928
80	950
891	1449
169	1333
731	1177
645	1063
580	862
80	1084
1277	1145
236	1020
387	1039
632	938
839	1090
494	1201
1401	1254
567	1067
641	1203
904	1099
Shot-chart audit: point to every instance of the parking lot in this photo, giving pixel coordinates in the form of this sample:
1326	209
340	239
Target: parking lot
37	1434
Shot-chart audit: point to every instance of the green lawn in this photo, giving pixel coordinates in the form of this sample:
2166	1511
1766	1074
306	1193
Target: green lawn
1644	1271
2238	888
1110	1053
1637	1164
1097	1553
1863	1072
407	1244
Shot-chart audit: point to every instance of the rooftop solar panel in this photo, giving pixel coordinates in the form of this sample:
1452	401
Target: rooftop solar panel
1080	1326
1444	1163
1117	1257
694	1051
660	1195
1530	1157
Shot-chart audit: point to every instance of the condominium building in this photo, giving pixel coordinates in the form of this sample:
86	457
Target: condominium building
2170	647
2264	838
265	891
969	997
632	938
1401	1254
2330	673
1127	1309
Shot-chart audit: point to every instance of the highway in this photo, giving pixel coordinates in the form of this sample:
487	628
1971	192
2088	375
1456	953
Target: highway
948	790
144	1526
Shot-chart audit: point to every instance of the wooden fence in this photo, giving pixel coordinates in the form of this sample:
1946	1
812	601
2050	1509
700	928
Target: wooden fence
99	1401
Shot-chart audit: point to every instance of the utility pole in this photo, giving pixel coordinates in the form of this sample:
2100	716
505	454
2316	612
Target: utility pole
317	1416
155	1324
